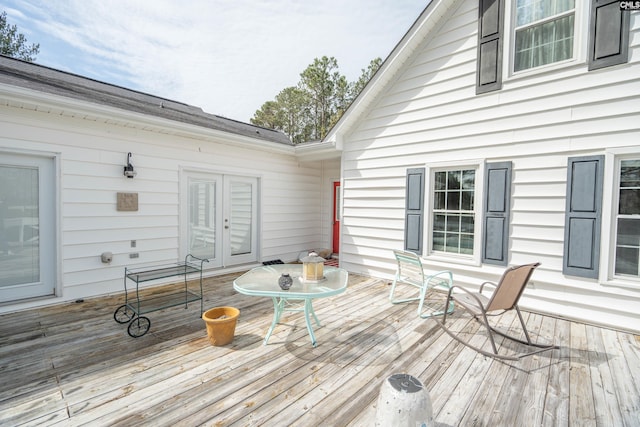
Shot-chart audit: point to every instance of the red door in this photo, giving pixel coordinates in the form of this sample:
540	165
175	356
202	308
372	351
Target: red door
336	217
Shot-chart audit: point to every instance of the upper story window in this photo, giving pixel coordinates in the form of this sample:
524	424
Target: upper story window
544	32
627	252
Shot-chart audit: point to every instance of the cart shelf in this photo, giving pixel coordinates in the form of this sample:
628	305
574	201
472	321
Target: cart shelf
135	305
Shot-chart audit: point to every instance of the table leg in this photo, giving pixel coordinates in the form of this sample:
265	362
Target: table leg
278	308
308	310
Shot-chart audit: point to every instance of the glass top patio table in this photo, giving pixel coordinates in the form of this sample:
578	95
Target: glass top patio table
263	282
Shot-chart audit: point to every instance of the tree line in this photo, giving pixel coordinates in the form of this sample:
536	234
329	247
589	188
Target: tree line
306	112
13	43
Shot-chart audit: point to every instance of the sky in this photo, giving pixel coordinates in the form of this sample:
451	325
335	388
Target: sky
227	57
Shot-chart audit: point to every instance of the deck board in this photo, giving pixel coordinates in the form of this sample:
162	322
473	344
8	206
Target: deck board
72	364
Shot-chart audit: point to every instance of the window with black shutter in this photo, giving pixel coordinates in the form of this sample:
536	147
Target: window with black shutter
583	216
608	34
490	29
414	213
497	190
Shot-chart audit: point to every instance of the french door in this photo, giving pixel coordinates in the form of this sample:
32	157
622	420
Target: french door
220	218
27	227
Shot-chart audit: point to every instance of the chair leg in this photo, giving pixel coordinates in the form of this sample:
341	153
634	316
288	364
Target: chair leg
393	288
398	301
448	310
528	341
483	320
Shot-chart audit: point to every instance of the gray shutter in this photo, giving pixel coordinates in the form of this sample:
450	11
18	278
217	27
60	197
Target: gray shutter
490	28
497	202
414	214
583	216
608	34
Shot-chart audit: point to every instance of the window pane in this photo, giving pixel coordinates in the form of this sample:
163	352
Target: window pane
467	201
453	180
630	173
440	181
438	241
438	200
439	222
544	44
466	244
627	261
628	246
528	11
453	223
466	224
629	232
19	226
453	201
629	202
241	217
468	179
202	232
453	243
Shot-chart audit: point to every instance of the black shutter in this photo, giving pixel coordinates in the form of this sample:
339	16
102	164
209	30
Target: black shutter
497	202
490	28
414	214
583	216
608	34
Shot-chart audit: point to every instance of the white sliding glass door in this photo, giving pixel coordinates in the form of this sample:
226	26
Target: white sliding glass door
220	218
27	227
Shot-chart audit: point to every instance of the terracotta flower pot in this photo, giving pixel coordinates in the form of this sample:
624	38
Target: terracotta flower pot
221	324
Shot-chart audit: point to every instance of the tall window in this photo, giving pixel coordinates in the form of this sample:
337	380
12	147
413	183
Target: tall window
544	32
627	259
453	211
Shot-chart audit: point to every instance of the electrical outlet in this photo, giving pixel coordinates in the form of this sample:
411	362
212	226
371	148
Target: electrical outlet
134	255
133	243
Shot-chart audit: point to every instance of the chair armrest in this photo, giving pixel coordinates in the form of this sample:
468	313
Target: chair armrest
487	283
473	295
444	275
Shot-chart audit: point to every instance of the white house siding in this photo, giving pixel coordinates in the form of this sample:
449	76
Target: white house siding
430	113
91	153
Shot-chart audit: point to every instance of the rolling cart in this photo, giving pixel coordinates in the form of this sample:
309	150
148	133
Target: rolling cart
135	306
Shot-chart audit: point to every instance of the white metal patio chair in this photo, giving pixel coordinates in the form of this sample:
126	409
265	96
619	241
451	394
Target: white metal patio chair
411	272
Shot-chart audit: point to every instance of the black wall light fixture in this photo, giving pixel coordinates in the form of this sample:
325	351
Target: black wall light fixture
128	170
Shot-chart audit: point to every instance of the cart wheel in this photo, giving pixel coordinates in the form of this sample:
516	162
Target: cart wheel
139	326
123	314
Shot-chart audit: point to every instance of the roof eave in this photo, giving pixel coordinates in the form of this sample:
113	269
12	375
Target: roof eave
47	102
316	151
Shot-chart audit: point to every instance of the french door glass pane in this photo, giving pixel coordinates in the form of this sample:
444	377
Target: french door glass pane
19	226
241	217
202	218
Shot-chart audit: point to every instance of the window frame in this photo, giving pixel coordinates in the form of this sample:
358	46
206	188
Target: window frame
613	158
430	169
580	42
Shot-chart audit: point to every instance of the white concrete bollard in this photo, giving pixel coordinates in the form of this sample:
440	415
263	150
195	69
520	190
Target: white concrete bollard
403	402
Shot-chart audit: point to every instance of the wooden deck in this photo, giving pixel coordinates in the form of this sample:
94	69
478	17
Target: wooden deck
74	365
